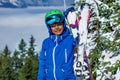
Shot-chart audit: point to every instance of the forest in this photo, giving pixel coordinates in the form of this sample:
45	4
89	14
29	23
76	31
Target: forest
22	64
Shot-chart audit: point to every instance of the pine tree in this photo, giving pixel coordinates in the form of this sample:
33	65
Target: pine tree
109	38
6	69
16	63
30	67
31	49
22	49
33	58
19	58
104	37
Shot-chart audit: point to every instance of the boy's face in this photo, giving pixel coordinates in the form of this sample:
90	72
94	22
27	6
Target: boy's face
57	28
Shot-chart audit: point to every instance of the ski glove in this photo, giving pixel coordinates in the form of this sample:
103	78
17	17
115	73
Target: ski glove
71	17
72	20
71	9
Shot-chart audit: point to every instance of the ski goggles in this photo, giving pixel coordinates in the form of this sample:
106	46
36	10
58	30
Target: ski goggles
54	19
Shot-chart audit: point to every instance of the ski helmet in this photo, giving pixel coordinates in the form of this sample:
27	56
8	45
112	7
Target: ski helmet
54	16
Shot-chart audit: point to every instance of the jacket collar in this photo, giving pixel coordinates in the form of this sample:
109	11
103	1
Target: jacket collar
61	37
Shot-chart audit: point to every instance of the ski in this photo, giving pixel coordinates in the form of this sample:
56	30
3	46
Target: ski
79	28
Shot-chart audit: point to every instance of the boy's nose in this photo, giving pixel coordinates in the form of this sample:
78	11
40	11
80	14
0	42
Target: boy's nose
56	26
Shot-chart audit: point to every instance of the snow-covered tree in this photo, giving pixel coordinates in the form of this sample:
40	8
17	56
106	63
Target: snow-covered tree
103	41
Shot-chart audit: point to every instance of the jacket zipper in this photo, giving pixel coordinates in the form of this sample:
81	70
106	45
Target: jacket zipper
65	55
54	65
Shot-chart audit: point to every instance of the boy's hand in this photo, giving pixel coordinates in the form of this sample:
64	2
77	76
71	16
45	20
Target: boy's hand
71	9
71	17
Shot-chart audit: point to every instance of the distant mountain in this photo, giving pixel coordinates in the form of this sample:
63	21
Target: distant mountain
26	3
58	2
13	3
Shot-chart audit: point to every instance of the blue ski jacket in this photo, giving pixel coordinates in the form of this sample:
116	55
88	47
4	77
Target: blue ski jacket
57	57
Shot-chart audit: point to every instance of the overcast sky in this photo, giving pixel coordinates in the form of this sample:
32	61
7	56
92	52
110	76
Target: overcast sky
16	24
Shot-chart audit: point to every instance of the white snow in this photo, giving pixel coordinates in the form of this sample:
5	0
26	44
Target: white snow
107	56
14	2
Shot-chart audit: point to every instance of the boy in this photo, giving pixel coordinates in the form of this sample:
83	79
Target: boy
57	54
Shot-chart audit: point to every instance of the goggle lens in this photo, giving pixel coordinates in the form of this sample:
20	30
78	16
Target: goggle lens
54	19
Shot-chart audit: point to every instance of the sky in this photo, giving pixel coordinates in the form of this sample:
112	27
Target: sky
16	24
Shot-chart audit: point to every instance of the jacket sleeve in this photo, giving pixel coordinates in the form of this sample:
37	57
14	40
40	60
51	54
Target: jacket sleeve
42	62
